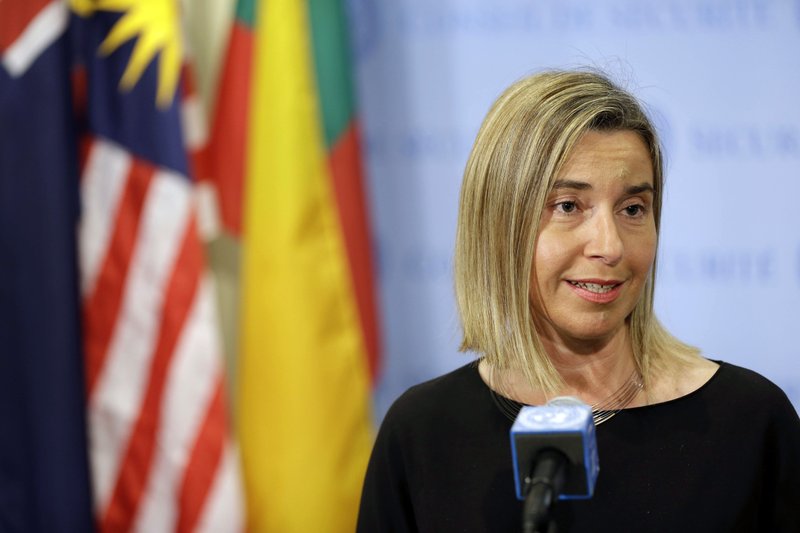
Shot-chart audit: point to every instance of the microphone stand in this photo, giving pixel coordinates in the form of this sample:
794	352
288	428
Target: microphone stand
544	487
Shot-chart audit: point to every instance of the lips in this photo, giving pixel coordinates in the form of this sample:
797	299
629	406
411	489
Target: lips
596	291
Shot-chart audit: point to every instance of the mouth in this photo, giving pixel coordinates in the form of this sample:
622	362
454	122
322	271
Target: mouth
597	291
597	288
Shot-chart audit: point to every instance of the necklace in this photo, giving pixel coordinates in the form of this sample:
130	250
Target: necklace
601	411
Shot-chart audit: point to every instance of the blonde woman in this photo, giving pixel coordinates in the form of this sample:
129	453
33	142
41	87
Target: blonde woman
555	272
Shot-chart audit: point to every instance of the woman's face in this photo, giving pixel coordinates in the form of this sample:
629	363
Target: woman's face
597	240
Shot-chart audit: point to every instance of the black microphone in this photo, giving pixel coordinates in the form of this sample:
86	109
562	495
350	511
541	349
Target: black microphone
554	453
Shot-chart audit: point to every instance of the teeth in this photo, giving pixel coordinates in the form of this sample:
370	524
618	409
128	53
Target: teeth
593	287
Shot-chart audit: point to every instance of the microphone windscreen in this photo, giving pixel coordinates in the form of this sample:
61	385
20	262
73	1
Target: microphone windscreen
564	426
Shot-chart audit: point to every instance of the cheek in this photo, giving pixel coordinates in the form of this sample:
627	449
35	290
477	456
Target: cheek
550	257
643	253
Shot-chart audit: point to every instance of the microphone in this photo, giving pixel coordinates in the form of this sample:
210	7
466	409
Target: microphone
554	454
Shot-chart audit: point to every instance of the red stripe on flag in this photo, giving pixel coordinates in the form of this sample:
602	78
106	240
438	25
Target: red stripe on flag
226	160
345	163
136	464
204	462
80	99
102	307
15	15
188	86
80	94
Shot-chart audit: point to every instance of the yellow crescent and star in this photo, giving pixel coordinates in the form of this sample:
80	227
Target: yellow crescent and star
156	26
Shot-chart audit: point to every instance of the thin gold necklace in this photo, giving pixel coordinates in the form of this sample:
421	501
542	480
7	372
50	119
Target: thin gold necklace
601	411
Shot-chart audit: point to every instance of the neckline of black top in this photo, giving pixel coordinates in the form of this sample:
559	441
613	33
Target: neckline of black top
497	397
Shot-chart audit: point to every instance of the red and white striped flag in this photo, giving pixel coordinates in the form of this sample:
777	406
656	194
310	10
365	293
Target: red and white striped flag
160	448
161	454
160	451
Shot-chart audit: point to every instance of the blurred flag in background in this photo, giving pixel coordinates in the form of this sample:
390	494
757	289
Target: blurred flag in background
284	160
160	453
99	134
44	476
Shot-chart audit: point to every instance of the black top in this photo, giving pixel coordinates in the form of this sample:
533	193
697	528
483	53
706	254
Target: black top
724	458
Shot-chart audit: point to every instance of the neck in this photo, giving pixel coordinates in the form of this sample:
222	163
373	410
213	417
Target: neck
592	371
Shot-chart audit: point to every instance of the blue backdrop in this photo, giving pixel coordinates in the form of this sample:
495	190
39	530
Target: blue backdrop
721	78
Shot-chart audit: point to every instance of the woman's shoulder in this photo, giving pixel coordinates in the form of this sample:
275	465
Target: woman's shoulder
454	400
679	377
748	387
728	385
454	387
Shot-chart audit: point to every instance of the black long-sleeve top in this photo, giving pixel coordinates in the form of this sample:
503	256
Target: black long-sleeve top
724	458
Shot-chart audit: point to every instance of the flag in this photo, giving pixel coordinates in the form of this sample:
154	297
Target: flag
143	371
160	454
284	159
44	474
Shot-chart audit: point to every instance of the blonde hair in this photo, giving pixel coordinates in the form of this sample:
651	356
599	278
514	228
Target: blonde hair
525	139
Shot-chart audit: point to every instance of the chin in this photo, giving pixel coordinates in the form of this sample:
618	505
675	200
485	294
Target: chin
592	332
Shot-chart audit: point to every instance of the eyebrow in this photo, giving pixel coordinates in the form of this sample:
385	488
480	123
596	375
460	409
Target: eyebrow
583	186
571	184
639	189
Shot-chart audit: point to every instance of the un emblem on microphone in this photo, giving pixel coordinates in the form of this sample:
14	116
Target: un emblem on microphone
552	417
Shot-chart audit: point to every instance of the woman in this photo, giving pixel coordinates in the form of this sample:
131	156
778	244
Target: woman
555	254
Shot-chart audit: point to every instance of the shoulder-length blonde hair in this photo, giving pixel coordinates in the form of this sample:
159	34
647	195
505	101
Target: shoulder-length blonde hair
525	139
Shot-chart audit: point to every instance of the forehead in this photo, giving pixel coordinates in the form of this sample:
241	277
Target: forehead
602	157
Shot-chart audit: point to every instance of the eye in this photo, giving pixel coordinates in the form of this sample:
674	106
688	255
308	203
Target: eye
634	210
566	207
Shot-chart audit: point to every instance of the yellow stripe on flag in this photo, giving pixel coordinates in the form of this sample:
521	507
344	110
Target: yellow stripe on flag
304	416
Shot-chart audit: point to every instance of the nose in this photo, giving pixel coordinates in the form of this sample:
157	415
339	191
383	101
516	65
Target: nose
603	238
